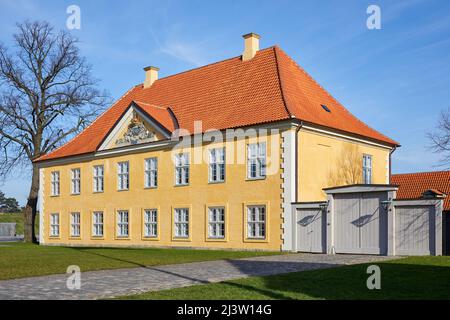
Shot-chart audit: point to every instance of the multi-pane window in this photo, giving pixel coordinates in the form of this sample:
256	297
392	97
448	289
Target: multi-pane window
182	223
151	223
217	222
256	162
367	169
151	173
75	224
182	169
217	165
256	222
54	224
97	224
76	181
123	175
55	183
98	175
122	223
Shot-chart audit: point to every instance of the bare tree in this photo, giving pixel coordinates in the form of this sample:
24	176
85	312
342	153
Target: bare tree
348	168
47	95
440	139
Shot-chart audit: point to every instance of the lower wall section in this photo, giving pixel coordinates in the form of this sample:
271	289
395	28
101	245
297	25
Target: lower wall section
251	225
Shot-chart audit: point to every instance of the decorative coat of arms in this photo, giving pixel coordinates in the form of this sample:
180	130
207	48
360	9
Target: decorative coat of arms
136	133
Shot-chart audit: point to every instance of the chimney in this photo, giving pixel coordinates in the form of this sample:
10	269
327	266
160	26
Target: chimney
151	75
251	45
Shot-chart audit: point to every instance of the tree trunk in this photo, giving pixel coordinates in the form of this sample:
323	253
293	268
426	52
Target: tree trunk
31	207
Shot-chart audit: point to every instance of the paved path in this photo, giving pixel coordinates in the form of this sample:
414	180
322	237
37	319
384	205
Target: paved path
110	283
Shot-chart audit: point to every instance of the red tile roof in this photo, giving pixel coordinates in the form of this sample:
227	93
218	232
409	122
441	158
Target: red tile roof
412	185
228	94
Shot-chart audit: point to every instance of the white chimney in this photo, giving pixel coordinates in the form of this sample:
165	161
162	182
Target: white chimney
151	75
251	45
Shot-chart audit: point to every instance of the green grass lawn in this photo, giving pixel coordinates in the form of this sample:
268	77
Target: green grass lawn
19	219
408	278
18	260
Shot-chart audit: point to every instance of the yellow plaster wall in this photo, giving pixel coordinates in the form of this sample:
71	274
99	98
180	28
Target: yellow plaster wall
326	161
234	194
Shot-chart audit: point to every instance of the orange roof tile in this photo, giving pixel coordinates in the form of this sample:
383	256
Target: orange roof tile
413	185
228	94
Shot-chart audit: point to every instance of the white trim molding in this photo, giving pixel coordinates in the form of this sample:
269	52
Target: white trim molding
122	122
41	205
288	176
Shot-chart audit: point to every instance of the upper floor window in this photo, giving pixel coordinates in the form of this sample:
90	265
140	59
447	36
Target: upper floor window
75	224
98	178
55	183
122	223
182	169
123	175
151	173
76	181
367	169
256	222
256	162
54	225
151	223
217	165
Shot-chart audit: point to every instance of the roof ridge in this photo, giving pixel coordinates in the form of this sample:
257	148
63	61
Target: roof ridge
150	104
280	82
206	65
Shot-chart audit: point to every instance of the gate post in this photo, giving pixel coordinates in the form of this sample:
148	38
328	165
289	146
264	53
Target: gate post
330	224
391	223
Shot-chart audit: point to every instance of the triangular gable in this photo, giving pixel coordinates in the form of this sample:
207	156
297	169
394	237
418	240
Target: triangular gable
137	126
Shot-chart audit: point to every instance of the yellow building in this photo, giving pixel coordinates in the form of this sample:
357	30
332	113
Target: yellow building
208	158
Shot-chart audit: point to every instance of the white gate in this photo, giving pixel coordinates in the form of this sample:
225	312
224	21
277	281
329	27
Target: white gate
360	223
415	230
311	230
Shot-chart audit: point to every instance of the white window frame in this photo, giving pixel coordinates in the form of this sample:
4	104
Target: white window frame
98	174
55	182
182	164
123	225
181	223
98	224
54	225
256	223
150	223
217	165
151	172
256	161
76	180
367	168
216	222
75	224
123	175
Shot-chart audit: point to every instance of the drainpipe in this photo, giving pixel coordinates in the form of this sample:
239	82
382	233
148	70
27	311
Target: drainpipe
390	163
296	159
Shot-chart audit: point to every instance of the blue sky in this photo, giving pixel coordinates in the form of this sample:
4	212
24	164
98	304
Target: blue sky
396	79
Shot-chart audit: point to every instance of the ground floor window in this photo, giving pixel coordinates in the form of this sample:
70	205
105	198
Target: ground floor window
151	223
75	224
216	222
122	223
256	222
182	223
97	224
54	224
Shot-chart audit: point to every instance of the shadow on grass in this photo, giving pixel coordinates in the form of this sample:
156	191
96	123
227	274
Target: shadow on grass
398	281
